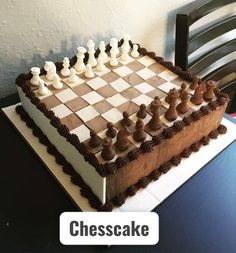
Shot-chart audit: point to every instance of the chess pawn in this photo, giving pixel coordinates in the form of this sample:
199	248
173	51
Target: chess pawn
103	54
89	72
94	139
142	111
113	60
73	78
100	66
183	89
108	152
167	98
123	142
43	90
91	60
51	70
65	71
79	65
197	97
35	71
111	131
57	84
171	114
126	121
139	135
183	107
155	122
209	93
194	83
135	52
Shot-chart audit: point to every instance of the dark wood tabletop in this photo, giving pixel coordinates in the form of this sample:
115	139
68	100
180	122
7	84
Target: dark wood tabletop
198	217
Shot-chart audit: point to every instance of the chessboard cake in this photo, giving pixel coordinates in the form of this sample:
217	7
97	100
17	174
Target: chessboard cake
119	117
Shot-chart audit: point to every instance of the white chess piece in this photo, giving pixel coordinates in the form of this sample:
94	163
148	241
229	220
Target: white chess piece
79	65
43	90
135	52
73	78
91	60
113	61
114	52
102	48
124	54
57	84
50	67
100	66
114	46
35	71
89	72
126	44
65	71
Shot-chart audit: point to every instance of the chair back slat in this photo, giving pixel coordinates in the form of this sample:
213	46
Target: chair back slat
218	29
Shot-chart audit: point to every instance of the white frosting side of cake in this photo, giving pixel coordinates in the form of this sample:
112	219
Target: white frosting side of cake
85	170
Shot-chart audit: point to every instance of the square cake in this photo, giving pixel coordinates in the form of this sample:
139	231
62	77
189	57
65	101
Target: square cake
119	117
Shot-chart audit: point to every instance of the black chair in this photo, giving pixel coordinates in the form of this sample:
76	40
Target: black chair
186	44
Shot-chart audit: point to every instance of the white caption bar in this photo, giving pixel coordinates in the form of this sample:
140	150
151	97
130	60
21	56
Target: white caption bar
109	228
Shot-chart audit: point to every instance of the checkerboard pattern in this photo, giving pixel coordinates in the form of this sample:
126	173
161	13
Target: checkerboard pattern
90	104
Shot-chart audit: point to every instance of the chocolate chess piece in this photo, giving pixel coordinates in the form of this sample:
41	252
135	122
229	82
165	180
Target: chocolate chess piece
209	93
123	142
139	135
183	107
197	97
111	131
94	140
155	122
108	152
194	83
126	121
142	111
171	114
155	98
167	98
183	89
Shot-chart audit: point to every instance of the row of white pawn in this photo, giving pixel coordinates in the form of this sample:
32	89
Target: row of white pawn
79	66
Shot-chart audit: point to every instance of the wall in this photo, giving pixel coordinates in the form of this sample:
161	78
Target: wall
33	31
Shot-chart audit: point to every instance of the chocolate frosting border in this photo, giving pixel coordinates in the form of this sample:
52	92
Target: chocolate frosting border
131	190
146	146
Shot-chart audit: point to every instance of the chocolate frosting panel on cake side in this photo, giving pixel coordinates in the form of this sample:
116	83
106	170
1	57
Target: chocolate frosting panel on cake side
131	173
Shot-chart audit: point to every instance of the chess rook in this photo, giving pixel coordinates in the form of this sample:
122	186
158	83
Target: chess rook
209	93
35	71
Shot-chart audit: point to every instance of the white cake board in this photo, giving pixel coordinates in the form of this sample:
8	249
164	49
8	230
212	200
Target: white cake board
154	193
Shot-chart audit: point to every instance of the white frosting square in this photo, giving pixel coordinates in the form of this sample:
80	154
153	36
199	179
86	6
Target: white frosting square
92	97
87	113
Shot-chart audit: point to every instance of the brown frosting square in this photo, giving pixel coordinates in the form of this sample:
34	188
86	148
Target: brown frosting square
71	121
82	89
102	106
155	81
157	68
98	124
110	77
133	79
135	66
107	91
76	104
129	107
131	93
51	101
